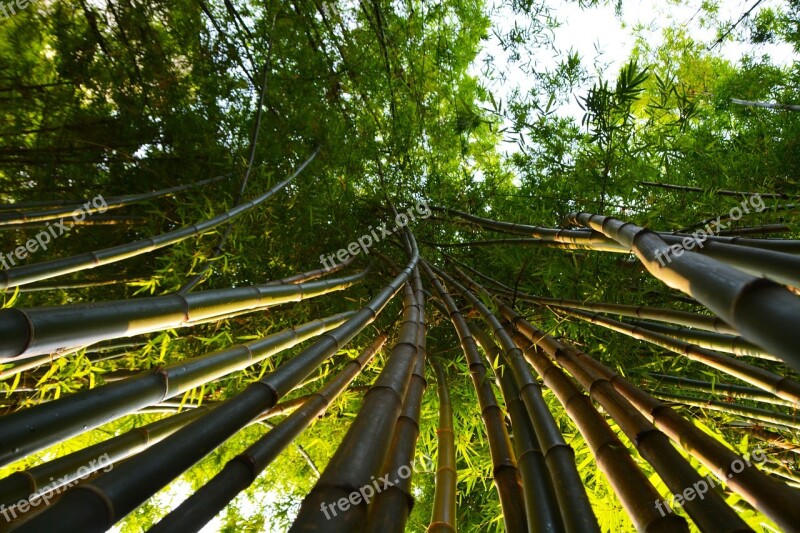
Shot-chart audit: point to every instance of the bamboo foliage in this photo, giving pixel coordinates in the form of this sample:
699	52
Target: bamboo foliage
46	330
634	490
763	311
243	469
711	513
762	492
28	430
576	511
504	465
443	518
22	275
130	484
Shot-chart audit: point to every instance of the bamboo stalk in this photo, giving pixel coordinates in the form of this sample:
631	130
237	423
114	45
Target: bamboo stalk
45	330
713	341
780	386
130	484
734	391
763	416
765	494
22	217
96	220
763	311
597	247
51	286
576	511
443	517
504	465
241	471
635	492
23	275
391	508
362	453
768	105
541	503
311	274
37	427
653	445
720	192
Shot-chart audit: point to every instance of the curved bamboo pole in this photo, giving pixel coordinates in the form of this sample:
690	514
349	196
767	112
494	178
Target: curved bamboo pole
21	217
504	465
541	503
113	495
772	498
543	243
711	513
673	316
763	311
241	471
46	330
23	275
391	508
635	492
65	285
576	511
705	339
780	386
311	274
443	518
722	389
37	427
763	416
361	454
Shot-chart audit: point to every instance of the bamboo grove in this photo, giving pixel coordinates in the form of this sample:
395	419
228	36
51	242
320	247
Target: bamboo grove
595	331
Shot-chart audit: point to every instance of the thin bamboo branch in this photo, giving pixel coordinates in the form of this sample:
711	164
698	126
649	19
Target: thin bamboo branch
443	518
723	389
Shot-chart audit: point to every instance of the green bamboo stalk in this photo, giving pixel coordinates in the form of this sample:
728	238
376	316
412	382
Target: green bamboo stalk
241	471
45	330
576	511
96	220
391	508
768	105
780	386
713	341
710	513
37	427
58	472
311	274
541	503
23	275
683	318
115	494
764	312
762	492
65	285
735	391
774	438
504	464
597	247
763	416
720	192
22	217
363	451
443	518
635	492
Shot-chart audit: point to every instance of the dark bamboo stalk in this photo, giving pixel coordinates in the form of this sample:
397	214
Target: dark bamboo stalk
37	427
762	416
576	511
597	247
780	386
241	471
722	389
504	465
541	503
361	454
710	513
65	285
443	518
46	330
311	274
115	494
23	275
763	311
391	508
772	498
635	492
21	217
